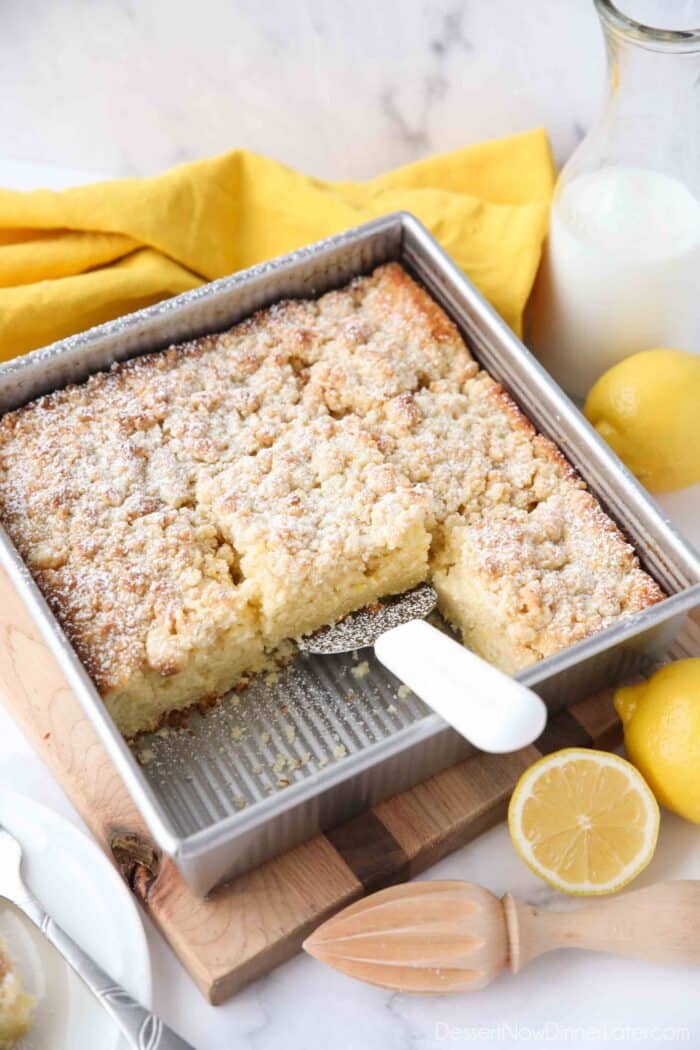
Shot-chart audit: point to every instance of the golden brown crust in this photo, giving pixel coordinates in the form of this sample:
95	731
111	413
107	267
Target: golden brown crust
399	288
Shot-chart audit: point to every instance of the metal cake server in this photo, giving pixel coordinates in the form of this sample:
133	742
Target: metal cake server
139	1026
487	707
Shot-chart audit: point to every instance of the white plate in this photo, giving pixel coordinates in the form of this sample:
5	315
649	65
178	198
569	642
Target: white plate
81	890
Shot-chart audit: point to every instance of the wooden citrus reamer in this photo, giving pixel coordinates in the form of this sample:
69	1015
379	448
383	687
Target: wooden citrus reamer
457	936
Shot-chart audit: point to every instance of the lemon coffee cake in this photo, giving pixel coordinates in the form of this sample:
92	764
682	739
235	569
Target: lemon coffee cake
187	511
15	1005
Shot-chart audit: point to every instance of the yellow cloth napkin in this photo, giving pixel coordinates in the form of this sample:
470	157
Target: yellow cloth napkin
81	256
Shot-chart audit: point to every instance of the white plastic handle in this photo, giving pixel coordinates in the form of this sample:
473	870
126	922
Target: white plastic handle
490	709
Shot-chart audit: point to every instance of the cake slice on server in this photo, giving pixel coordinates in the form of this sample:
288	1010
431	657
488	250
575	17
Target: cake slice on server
524	560
522	585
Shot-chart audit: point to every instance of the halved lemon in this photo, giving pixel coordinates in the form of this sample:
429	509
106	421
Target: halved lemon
584	821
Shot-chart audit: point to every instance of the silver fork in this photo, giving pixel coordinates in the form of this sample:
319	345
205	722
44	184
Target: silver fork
143	1029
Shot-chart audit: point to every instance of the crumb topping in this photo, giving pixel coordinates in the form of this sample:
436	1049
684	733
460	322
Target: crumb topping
556	574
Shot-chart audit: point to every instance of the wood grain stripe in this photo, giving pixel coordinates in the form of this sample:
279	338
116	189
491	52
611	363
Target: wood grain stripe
371	852
597	715
563	730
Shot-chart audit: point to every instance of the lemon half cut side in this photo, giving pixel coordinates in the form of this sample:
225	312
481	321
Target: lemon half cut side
585	821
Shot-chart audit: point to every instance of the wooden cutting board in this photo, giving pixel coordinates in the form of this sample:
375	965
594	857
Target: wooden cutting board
261	919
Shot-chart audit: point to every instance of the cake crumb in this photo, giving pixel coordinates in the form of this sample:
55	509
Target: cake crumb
290	733
146	756
237	733
340	751
403	692
361	670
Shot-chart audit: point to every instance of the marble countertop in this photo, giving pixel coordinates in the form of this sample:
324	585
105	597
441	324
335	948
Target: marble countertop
342	90
339	90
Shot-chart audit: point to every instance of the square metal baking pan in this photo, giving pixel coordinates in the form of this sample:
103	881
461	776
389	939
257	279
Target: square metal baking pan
268	768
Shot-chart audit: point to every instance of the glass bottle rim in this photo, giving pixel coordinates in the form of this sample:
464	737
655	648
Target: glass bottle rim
681	40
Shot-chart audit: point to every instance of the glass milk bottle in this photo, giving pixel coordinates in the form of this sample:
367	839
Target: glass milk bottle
621	271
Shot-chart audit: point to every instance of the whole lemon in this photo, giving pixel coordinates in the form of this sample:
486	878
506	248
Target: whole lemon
648	410
661	719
